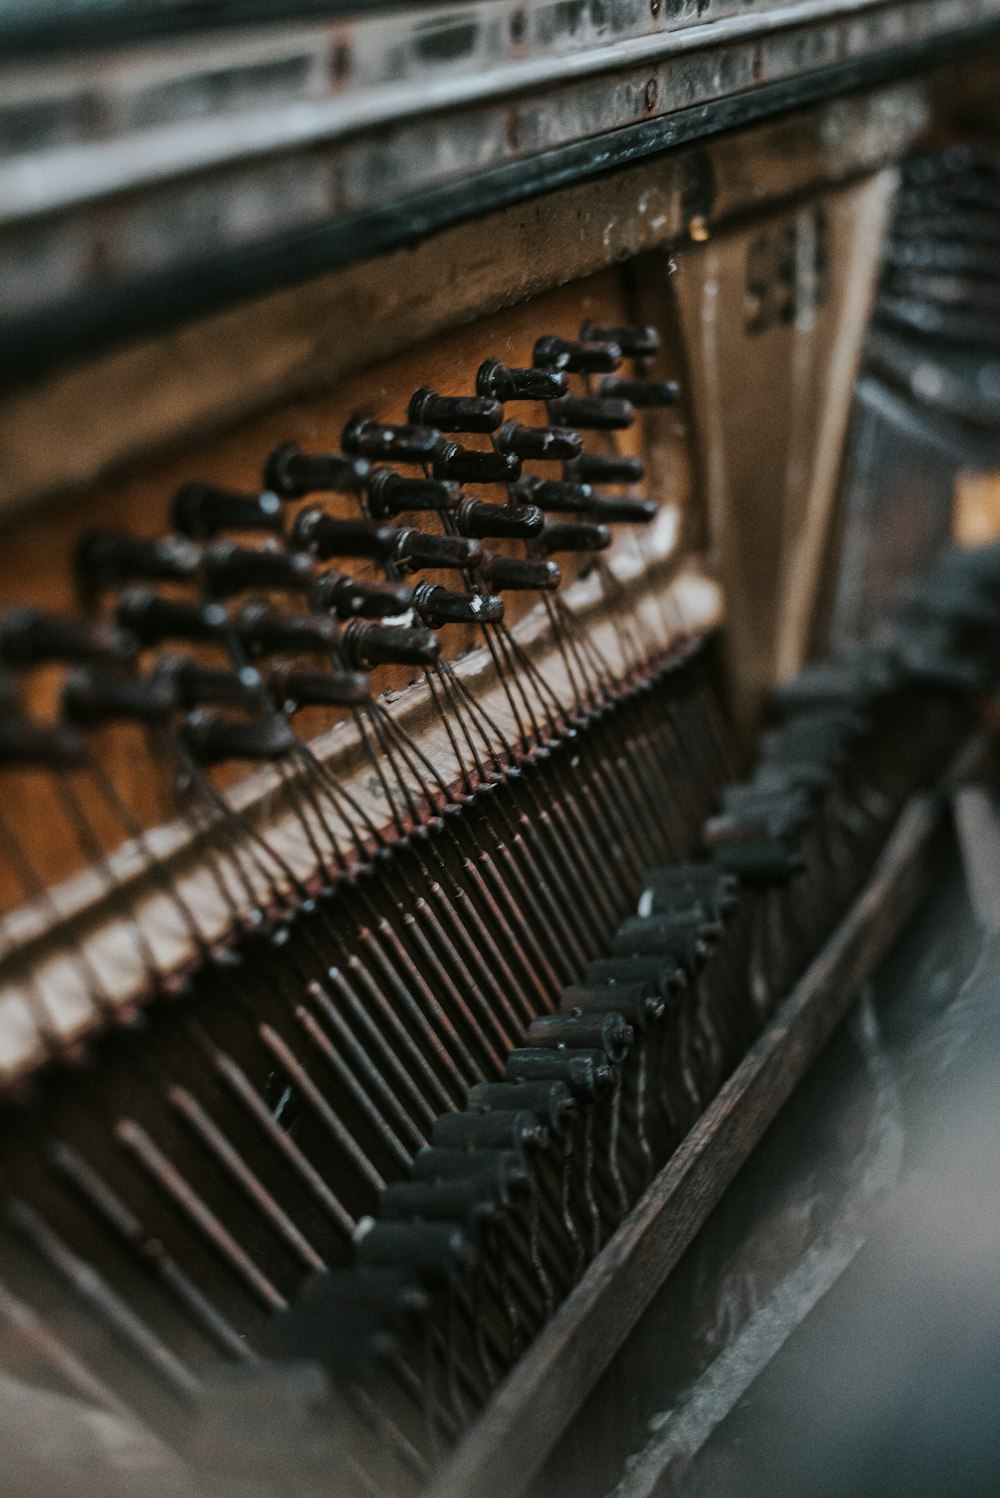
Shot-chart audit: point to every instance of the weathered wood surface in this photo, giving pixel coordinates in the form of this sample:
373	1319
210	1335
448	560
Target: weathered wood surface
525	1418
84	422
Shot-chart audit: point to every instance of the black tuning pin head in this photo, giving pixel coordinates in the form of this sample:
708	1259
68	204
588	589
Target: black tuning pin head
294	687
609	1032
496	379
640	1004
397	444
614	509
390	494
550	1100
267	631
593	413
109	559
474	517
27	745
326	536
455	413
230	569
194	685
29	637
581	356
151	619
440	606
605	468
634	342
291	473
352	598
90	698
212	739
416	550
201	511
468	465
541	444
503	1129
515	574
440	1250
554	495
587	1073
573	535
390	645
642	393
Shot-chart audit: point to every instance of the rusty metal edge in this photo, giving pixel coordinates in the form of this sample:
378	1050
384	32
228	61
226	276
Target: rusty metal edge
532	1408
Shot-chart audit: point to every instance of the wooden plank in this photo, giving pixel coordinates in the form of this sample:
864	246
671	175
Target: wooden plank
508	1445
89	420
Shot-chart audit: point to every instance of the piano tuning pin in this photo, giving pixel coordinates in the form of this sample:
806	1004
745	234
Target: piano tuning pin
353	598
326	536
291	473
293	687
439	606
29	637
391	494
550	1100
642	393
500	1172
605	468
616	509
400	444
635	342
640	1004
393	1288
508	1129
587	1073
455	413
442	1251
213	739
467	1202
416	550
664	973
497	379
90	698
475	517
609	1032
580	356
593	413
265	630
573	535
10	693
25	744
201	511
195	685
554	494
109	559
367	644
541	444
760	863
516	574
469	465
230	568
152	619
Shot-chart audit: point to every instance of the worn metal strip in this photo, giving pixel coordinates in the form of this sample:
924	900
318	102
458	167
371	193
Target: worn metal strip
322	178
